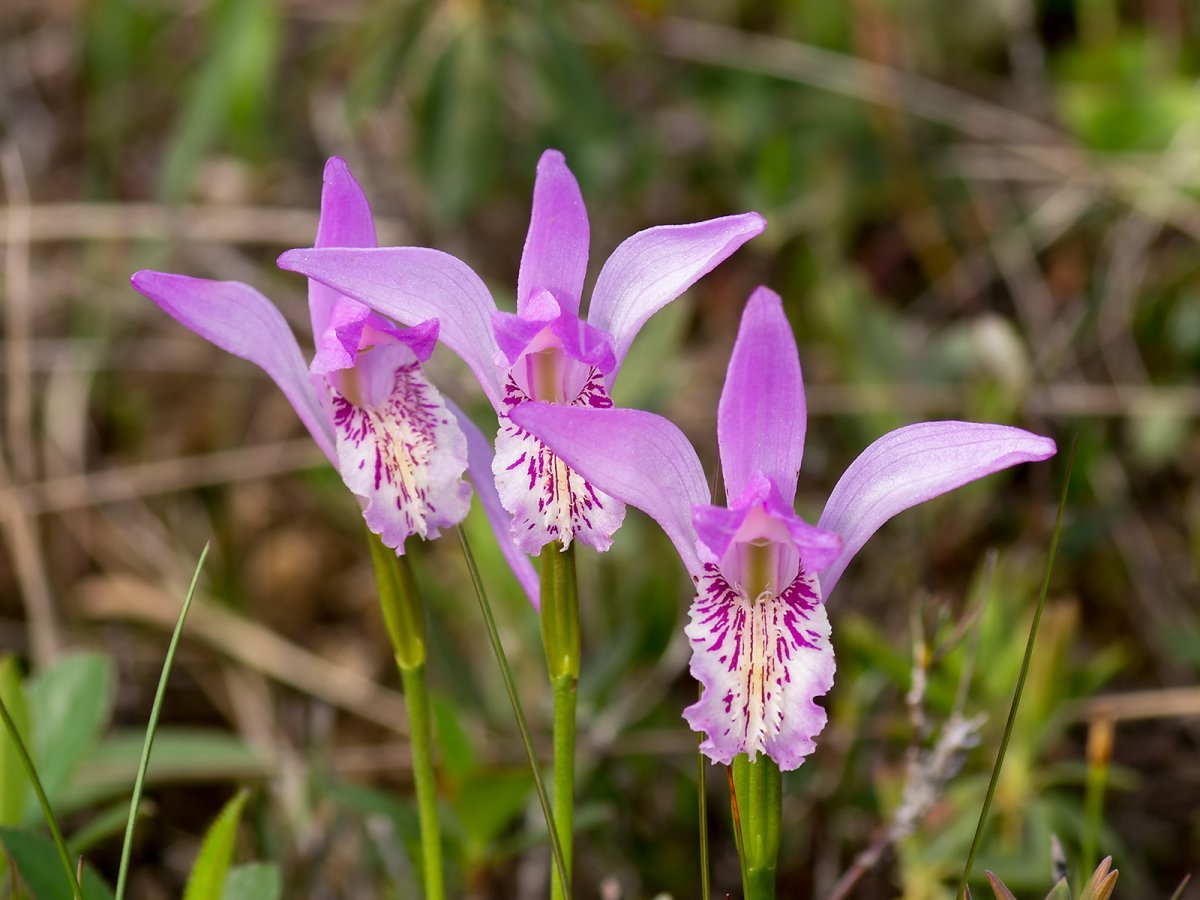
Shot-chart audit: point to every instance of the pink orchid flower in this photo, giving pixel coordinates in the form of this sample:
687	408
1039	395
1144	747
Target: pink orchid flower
400	446
758	628
545	351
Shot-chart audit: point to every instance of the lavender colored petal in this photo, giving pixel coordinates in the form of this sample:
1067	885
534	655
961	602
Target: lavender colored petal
761	417
479	471
638	457
421	338
912	465
514	333
411	284
345	222
653	267
582	342
556	246
241	321
762	661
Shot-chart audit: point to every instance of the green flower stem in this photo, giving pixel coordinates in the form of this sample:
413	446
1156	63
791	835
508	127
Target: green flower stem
404	618
564	770
560	637
416	694
759	787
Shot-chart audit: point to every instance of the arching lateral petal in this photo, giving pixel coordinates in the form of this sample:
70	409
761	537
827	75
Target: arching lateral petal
241	321
411	284
761	418
912	465
653	267
639	458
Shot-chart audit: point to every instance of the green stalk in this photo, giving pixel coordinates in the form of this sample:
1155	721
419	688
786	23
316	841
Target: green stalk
564	772
702	802
760	803
139	782
518	713
404	618
560	637
416	695
1024	673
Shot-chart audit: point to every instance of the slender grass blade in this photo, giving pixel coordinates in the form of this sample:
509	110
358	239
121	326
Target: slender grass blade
152	726
1025	663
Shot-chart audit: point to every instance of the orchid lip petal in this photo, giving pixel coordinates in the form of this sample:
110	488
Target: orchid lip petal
409	285
399	448
914	464
653	267
556	247
479	470
241	321
761	417
761	661
639	458
549	500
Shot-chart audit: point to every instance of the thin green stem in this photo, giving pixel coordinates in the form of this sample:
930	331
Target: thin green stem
564	772
139	781
404	619
702	813
560	638
1025	663
31	771
416	695
518	712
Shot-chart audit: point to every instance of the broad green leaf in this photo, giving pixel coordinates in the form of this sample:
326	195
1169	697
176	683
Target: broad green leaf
207	881
14	786
180	754
40	868
253	881
73	702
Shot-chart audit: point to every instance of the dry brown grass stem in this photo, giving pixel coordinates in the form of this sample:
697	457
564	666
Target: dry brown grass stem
1164	703
20	529
258	648
164	476
68	222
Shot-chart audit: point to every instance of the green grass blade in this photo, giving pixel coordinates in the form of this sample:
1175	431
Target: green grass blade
152	726
522	725
60	845
1025	663
209	872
